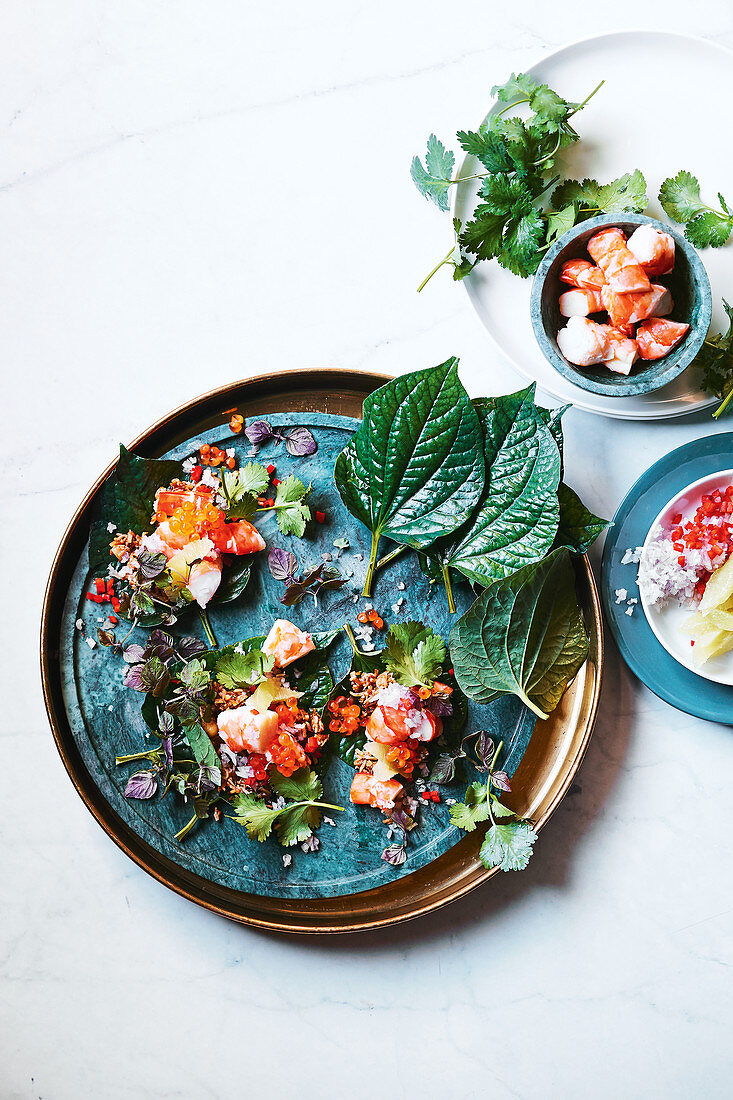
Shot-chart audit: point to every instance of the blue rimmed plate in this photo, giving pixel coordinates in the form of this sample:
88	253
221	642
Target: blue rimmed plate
639	647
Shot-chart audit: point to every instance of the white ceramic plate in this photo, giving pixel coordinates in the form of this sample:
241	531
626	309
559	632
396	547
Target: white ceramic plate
665	622
647	74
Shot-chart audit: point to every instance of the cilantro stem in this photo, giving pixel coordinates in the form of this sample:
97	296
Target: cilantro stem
391	556
210	636
449	589
726	401
183	833
445	260
587	99
352	639
133	756
369	581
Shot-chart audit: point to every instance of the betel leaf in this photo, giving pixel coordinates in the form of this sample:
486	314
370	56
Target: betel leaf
415	467
517	518
579	527
127	500
524	636
233	583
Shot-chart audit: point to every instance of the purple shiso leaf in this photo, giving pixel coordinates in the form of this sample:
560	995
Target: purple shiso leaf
134	679
300	442
282	564
484	748
394	854
141	785
167	744
133	654
440	707
501	780
188	647
258	432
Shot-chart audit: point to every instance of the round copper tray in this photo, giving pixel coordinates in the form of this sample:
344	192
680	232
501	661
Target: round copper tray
544	775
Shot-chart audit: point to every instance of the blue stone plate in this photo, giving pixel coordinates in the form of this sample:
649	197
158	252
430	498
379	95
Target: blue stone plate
346	884
643	653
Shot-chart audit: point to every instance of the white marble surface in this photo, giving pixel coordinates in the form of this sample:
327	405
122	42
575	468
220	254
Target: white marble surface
191	192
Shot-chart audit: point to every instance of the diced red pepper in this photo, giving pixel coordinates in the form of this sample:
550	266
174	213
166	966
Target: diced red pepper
196	473
94	597
115	603
99	584
114	620
275	481
110	586
320	517
271	469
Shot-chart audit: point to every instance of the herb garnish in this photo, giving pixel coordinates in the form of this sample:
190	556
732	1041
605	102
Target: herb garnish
298	441
516	220
321	578
295	820
705	227
715	359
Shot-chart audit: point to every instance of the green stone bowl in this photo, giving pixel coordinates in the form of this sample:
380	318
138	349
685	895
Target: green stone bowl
690	289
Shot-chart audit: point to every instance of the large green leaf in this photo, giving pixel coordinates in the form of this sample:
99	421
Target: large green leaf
127	500
524	635
579	528
414	468
235	578
517	518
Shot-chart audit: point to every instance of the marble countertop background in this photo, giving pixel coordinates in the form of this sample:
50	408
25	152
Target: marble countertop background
191	193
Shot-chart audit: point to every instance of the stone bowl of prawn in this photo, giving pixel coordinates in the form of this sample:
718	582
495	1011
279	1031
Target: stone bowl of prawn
687	282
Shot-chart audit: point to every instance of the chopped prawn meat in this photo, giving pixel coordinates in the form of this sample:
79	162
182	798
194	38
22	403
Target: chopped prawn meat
629	309
623	273
246	730
368	791
286	643
657	336
204	579
623	351
653	249
237	537
583	342
582	274
579	303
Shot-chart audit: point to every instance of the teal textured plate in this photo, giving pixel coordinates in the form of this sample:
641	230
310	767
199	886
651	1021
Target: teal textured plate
643	653
345	886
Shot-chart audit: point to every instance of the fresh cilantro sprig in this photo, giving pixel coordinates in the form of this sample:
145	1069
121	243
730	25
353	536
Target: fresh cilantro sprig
715	360
509	840
241	488
295	820
291	511
705	226
515	221
414	654
242	670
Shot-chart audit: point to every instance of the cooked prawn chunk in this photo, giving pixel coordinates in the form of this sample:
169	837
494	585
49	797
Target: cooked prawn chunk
583	342
623	274
583	274
368	791
653	249
657	336
579	303
388	726
246	730
623	351
629	309
429	728
170	538
157	545
286	643
237	537
204	579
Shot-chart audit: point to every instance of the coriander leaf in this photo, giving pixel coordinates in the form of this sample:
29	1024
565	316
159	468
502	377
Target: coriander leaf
524	635
239	670
503	195
709	229
489	148
482	235
292	514
255	815
680	197
302	786
518	87
548	104
520	246
560	222
509	846
435	178
627	193
414	654
579	528
296	824
715	360
474	809
252	478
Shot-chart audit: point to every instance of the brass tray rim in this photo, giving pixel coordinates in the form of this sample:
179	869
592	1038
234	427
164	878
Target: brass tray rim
116	829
